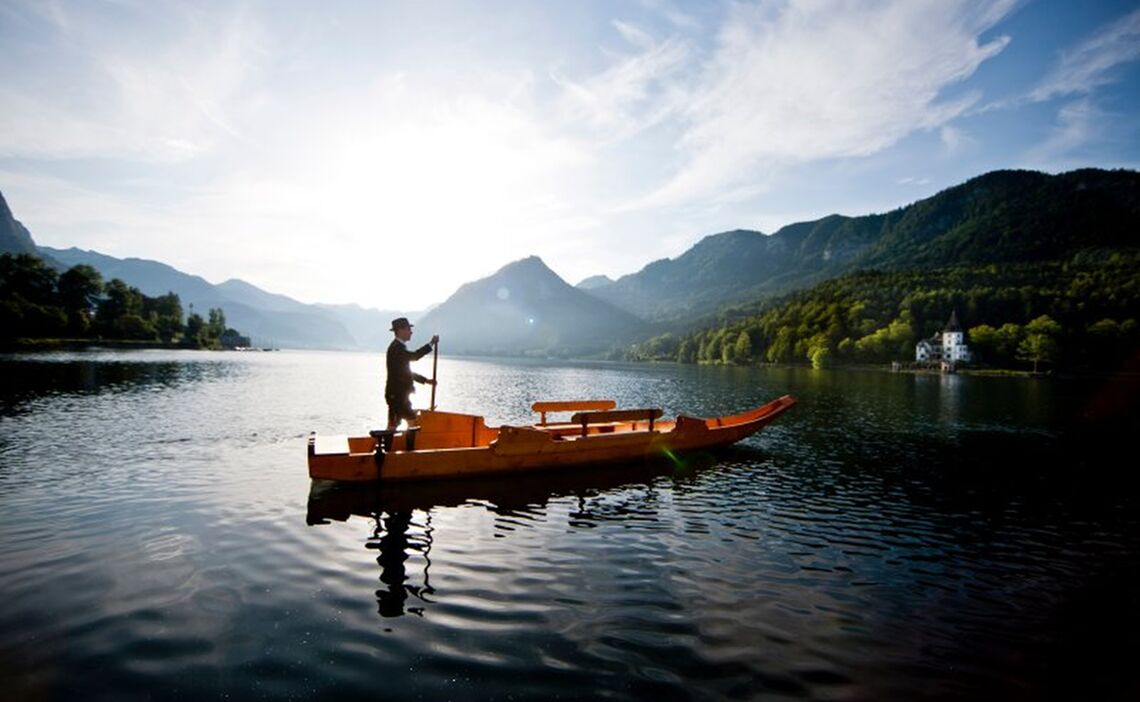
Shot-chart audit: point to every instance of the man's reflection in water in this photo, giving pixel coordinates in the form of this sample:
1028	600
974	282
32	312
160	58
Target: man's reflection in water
393	542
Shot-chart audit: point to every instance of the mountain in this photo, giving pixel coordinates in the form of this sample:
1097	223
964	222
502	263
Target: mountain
999	217
14	237
268	318
526	308
371	328
594	281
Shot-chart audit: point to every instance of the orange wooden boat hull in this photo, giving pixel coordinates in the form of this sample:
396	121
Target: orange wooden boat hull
451	445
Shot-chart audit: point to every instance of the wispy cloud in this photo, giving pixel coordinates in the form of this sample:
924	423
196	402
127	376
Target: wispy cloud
1093	62
633	34
635	92
913	180
163	99
956	142
1076	126
802	80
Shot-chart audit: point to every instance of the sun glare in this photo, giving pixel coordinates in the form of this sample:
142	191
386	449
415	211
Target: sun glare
439	188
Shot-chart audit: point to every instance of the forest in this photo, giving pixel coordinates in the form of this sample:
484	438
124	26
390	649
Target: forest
1079	314
37	302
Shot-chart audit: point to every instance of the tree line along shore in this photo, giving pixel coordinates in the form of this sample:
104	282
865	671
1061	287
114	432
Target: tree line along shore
43	308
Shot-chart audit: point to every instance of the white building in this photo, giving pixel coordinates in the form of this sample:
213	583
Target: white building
948	347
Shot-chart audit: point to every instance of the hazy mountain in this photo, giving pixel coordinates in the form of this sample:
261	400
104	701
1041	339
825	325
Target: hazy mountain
14	237
371	328
594	281
269	319
526	308
151	277
1004	216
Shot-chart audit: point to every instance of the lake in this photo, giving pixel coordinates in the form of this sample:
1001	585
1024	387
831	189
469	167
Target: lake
893	536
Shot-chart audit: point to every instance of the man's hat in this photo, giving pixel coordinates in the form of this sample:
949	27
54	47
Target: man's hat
400	323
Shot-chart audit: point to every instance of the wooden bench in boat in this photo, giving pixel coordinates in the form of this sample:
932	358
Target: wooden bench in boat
572	406
615	417
326	445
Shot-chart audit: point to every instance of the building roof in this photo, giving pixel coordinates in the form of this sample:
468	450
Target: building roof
952	325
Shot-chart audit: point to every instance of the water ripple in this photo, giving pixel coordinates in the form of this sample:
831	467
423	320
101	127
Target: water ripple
890	538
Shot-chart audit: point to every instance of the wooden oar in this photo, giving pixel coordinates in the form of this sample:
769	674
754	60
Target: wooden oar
434	366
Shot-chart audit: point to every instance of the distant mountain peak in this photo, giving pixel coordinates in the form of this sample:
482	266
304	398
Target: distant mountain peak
14	236
594	282
530	263
525	307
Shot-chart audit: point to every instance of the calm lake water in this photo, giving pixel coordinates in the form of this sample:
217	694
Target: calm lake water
892	537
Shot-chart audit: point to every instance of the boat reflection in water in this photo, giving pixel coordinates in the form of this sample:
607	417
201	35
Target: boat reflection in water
402	512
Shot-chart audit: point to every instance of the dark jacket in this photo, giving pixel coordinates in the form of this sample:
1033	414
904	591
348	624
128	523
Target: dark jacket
400	375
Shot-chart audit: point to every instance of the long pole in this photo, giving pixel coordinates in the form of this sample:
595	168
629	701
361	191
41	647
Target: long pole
434	366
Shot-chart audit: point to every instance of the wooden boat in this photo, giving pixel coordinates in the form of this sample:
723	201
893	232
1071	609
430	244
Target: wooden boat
450	445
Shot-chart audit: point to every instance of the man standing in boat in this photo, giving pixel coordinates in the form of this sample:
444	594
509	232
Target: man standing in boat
399	387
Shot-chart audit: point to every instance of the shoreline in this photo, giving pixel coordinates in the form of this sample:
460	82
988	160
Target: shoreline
47	345
19	345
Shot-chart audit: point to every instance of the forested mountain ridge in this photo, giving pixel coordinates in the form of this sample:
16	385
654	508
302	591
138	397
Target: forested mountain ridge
1082	314
1012	217
999	217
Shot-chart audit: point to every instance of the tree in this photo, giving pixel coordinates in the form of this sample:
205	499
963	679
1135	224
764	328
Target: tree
1105	328
166	313
217	324
819	350
710	349
29	278
781	347
120	300
29	301
744	348
686	352
195	334
983	341
79	290
232	339
728	353
821	357
134	327
1040	343
1008	337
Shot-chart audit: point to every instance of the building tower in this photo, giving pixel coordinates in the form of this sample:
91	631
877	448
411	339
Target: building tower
954	347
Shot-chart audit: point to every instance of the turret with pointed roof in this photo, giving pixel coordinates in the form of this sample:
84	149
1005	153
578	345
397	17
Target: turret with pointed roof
954	347
953	325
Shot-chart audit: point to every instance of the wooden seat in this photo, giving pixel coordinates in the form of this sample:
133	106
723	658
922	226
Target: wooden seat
325	445
570	406
585	419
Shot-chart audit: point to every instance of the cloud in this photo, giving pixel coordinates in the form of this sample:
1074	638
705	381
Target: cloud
1078	124
635	92
913	180
633	34
804	80
165	97
957	142
1091	63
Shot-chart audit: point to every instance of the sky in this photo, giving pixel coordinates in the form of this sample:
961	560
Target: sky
384	153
